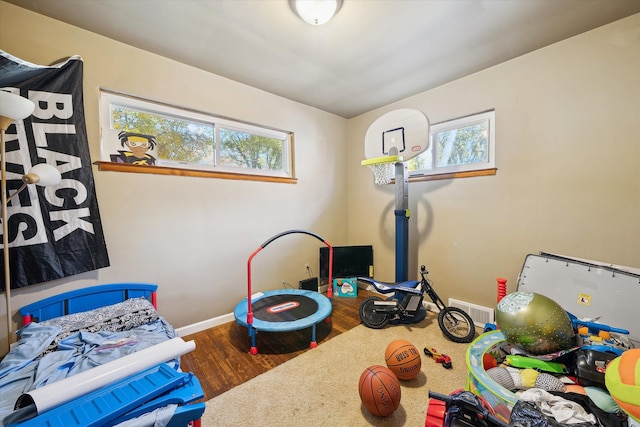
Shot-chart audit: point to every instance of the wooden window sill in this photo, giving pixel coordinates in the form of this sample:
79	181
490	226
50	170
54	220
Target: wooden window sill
163	170
468	174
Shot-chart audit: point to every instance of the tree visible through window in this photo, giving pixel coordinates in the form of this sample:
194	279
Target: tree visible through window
194	140
243	149
463	144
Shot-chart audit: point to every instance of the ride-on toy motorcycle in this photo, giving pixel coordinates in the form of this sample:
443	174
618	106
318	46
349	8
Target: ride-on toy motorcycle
405	306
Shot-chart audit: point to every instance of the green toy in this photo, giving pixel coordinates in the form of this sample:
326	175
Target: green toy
518	361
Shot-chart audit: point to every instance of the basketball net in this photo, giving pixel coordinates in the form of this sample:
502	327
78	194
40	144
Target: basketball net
382	168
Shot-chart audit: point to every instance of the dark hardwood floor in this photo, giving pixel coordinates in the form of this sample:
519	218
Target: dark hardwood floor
222	361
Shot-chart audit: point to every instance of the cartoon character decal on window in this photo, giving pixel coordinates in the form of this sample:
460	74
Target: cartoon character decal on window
138	144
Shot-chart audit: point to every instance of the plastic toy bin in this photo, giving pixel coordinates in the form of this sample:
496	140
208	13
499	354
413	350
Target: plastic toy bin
480	383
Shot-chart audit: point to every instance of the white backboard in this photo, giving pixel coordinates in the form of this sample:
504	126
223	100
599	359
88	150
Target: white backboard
405	130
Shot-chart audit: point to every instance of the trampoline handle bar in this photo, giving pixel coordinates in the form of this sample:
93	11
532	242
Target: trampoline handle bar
249	305
284	233
262	246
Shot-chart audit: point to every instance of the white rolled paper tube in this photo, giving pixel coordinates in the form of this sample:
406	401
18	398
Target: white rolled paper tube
55	394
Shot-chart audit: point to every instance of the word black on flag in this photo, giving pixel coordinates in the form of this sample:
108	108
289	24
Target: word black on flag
56	231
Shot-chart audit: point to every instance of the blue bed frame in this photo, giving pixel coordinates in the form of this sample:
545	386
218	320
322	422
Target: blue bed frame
86	299
102	295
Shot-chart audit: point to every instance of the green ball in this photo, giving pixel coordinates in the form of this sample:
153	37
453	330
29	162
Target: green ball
534	322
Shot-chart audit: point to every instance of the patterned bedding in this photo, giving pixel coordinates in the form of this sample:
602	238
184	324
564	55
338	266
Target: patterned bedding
122	316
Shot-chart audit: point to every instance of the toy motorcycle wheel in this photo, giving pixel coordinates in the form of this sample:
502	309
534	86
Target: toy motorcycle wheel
370	317
456	325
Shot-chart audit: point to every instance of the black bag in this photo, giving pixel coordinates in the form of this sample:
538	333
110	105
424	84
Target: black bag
527	414
606	419
589	366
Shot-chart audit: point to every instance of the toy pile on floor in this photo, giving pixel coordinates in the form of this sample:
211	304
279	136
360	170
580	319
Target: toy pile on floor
563	369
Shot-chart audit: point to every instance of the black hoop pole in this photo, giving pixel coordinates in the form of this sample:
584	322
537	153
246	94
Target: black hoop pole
262	246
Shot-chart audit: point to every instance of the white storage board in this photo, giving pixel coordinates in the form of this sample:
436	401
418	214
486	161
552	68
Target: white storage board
586	289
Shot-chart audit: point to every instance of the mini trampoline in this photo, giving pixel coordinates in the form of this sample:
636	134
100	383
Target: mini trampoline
283	310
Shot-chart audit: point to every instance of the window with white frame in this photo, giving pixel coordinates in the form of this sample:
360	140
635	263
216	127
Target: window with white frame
460	145
143	132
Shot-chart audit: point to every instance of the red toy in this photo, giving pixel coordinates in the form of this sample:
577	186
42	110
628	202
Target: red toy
441	358
460	408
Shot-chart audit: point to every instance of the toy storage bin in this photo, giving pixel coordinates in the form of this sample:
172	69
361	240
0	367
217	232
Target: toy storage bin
480	383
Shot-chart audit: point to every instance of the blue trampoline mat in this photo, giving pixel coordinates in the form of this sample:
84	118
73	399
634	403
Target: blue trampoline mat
284	310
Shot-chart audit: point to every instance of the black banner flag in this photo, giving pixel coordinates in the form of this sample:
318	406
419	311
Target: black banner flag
56	231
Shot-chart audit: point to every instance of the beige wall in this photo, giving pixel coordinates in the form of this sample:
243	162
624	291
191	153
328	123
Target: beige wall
192	236
568	179
568	122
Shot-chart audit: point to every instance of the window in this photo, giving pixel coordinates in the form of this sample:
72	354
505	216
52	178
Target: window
461	145
142	132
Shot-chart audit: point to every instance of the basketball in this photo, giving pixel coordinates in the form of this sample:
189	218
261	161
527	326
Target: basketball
622	378
403	358
379	390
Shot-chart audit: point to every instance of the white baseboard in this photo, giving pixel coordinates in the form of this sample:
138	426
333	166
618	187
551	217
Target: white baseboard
430	306
205	324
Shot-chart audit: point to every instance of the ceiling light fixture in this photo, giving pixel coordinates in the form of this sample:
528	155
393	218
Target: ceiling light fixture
316	12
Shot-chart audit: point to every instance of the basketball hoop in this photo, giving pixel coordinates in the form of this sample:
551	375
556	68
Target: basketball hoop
382	168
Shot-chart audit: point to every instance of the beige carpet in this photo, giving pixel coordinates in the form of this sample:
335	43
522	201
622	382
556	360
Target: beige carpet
320	387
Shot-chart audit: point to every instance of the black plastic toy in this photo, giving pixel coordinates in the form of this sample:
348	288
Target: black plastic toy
460	409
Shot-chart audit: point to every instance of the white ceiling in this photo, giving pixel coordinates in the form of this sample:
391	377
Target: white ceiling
372	53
